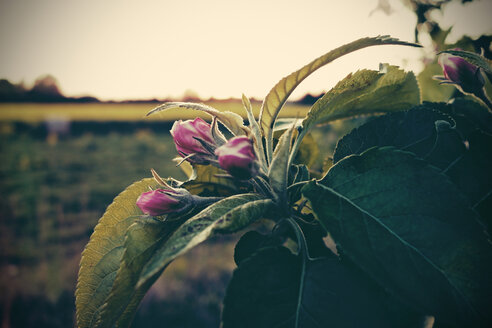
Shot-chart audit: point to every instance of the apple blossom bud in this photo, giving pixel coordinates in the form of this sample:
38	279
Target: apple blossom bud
194	137
164	201
238	158
466	76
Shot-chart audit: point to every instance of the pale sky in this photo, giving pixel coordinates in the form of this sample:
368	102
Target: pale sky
129	49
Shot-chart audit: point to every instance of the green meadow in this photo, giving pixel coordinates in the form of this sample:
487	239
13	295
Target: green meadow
35	113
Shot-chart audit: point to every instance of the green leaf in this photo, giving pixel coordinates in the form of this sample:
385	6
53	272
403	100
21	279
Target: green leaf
142	239
406	225
232	121
101	257
226	216
265	291
283	124
452	141
278	170
308	153
252	241
430	88
421	130
472	58
366	92
277	97
469	115
472	174
298	173
255	131
206	181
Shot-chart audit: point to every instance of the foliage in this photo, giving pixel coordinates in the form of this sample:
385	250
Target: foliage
404	206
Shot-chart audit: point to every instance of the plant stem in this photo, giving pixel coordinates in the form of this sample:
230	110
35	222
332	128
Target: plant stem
203	201
301	241
295	147
300	183
261	183
483	97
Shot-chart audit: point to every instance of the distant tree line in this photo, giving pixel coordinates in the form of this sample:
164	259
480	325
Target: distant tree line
45	90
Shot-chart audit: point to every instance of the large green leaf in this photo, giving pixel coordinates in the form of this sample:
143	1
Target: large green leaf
232	121
410	229
142	239
277	97
453	142
272	289
226	216
366	92
101	257
415	130
468	114
473	175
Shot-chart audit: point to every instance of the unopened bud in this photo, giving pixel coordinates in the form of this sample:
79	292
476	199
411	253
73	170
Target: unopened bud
463	74
164	201
238	158
194	137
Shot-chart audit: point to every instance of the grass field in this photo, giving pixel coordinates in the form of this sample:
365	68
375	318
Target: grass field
121	112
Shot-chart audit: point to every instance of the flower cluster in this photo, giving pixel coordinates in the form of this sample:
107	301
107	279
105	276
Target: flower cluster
198	143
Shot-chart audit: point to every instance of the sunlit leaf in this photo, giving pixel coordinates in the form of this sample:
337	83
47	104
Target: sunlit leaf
101	257
185	166
278	170
277	97
285	123
430	88
226	216
231	121
406	225
206	180
142	239
256	132
308	153
366	92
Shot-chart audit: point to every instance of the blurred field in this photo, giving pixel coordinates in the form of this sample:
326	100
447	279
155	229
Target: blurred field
121	112
61	166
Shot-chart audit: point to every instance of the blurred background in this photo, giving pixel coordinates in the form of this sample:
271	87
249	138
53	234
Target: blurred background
78	77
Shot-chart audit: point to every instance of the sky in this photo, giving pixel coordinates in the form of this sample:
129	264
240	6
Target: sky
129	49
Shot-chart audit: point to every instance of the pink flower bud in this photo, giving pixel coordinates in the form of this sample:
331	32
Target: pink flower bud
463	74
163	201
238	158
186	135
